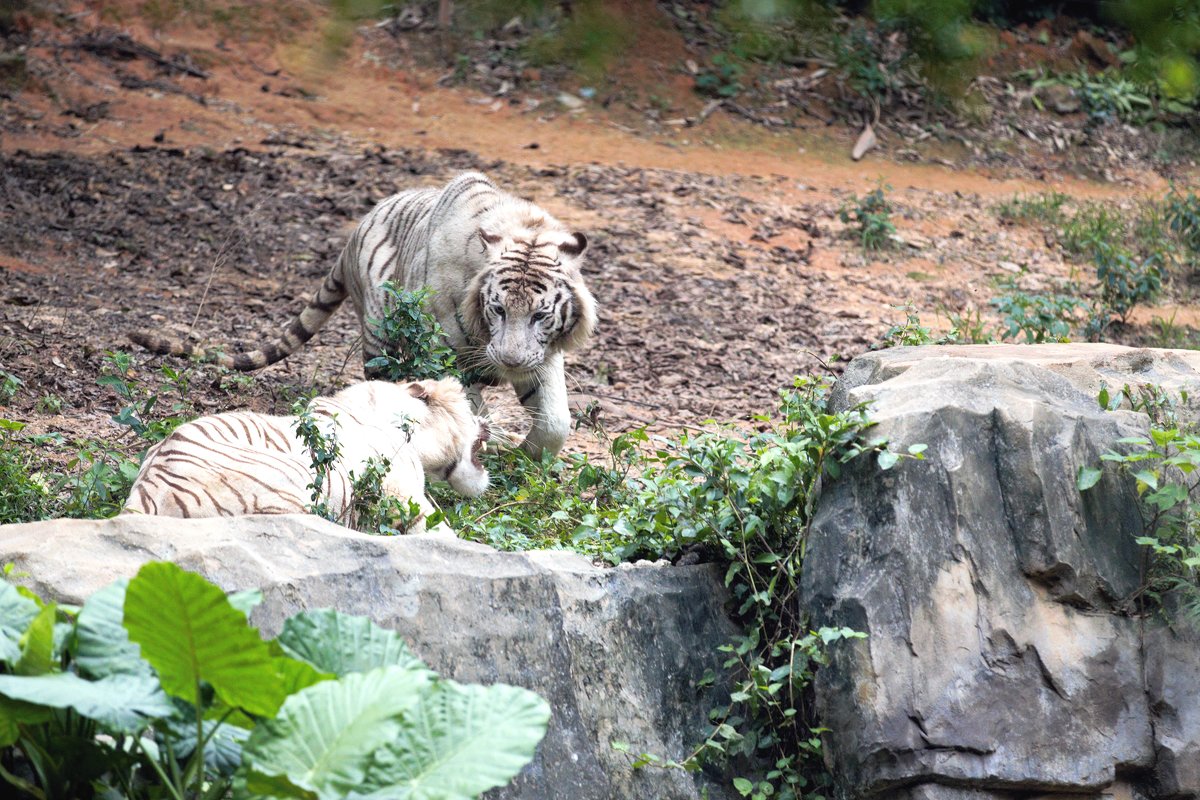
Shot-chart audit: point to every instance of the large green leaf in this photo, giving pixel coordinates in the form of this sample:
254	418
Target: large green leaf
458	742
189	632
16	613
341	643
323	737
102	645
14	713
37	644
123	703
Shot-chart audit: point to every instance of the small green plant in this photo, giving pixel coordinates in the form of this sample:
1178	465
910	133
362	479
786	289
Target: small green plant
1045	208
912	332
26	495
1107	94
377	512
1040	317
1183	218
9	386
1153	236
158	688
85	478
414	340
49	404
1166	469
968	327
1092	225
139	412
871	215
857	53
723	79
1170	334
319	437
1125	280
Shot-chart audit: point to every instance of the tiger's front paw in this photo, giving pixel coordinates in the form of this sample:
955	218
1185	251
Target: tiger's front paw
548	437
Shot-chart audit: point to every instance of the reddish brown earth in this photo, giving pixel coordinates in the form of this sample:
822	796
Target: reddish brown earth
134	197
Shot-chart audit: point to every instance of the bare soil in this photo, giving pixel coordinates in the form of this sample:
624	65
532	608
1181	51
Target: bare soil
206	189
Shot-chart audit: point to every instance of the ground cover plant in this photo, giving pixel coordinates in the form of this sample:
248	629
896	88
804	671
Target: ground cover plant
158	688
51	475
742	499
1136	257
870	218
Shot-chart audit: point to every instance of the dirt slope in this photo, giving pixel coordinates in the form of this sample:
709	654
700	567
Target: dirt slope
141	195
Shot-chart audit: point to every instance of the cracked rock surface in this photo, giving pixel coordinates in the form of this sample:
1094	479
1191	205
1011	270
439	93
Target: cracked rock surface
1000	656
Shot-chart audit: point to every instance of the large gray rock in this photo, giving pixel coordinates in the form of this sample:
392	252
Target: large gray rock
1000	656
617	652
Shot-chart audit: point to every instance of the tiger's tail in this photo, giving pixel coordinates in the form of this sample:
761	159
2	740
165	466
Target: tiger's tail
302	328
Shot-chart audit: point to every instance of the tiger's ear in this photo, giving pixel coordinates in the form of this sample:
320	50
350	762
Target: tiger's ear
420	391
575	245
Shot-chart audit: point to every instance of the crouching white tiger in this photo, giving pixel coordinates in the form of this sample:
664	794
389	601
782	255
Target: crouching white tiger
245	463
506	284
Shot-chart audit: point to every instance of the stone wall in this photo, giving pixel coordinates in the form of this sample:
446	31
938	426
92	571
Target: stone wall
1001	658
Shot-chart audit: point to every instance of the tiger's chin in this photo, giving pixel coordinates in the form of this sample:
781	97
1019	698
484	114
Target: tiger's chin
469	478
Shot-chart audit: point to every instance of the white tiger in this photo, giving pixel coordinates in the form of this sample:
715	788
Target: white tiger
506	284
240	463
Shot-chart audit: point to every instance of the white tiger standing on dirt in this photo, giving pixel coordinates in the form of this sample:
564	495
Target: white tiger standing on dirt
240	462
506	284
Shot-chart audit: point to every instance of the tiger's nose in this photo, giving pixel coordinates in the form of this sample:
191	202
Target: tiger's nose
511	360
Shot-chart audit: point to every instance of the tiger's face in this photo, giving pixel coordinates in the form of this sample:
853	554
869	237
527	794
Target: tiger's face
450	438
531	300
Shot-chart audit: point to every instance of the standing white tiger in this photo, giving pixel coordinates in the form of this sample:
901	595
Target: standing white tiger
506	284
241	462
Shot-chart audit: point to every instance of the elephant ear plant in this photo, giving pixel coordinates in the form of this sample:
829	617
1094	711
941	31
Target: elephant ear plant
158	689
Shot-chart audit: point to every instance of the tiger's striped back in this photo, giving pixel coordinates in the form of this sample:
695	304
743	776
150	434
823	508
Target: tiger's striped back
239	463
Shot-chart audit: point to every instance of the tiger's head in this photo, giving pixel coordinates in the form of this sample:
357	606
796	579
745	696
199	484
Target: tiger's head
530	299
448	437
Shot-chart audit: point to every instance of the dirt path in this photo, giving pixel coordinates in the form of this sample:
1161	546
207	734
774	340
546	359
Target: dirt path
213	206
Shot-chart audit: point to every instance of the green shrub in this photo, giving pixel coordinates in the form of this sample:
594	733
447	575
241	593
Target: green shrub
1183	218
25	496
1093	224
376	512
1125	280
1164	468
45	476
1041	317
158	688
1108	94
415	343
590	38
871	215
722	79
1153	236
743	499
968	327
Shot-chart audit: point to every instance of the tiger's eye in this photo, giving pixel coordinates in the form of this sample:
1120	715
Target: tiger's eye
498	310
